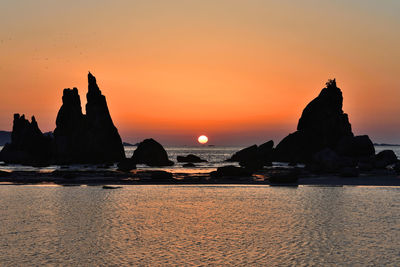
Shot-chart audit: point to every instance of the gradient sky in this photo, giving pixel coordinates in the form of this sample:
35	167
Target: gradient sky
240	72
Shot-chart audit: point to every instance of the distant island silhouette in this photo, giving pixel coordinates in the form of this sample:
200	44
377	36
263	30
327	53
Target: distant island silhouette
383	144
323	142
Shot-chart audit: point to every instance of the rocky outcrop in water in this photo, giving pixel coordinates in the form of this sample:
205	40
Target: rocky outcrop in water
355	147
190	158
28	144
385	158
254	157
151	153
126	165
230	171
90	138
323	124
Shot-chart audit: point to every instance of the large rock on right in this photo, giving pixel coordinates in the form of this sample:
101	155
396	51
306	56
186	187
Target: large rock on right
356	147
323	124
151	153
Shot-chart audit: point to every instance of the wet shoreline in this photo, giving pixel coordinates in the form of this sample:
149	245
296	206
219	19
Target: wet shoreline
154	177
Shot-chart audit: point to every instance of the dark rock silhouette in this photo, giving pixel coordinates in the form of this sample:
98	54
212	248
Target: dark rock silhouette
161	176
4	174
328	160
188	165
323	124
357	147
396	167
90	138
288	177
28	144
254	157
230	171
190	158
265	150
366	165
111	187
385	158
126	165
151	153
349	172
246	154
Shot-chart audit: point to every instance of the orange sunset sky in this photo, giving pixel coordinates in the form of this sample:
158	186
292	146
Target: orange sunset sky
240	72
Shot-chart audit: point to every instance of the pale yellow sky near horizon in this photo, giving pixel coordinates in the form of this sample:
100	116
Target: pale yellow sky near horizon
237	71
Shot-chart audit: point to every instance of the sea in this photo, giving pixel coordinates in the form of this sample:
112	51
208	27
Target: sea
197	225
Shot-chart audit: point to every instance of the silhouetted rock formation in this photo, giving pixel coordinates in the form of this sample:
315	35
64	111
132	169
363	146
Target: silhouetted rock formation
126	165
385	158
254	157
248	153
190	158
188	165
230	171
90	138
161	176
323	124
28	144
151	153
349	172
357	147
284	177
328	160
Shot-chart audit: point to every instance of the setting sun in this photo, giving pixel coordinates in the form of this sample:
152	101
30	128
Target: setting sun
202	139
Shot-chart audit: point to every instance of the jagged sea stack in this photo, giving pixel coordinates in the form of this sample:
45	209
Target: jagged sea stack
28	144
323	124
90	138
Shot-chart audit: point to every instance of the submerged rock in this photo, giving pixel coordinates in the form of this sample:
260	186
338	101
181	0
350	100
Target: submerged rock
396	167
126	165
161	175
4	173
327	160
151	153
322	125
366	165
28	144
385	158
231	171
349	172
284	177
188	165
190	158
90	138
111	187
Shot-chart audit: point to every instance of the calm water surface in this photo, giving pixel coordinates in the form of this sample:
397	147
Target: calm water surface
197	225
